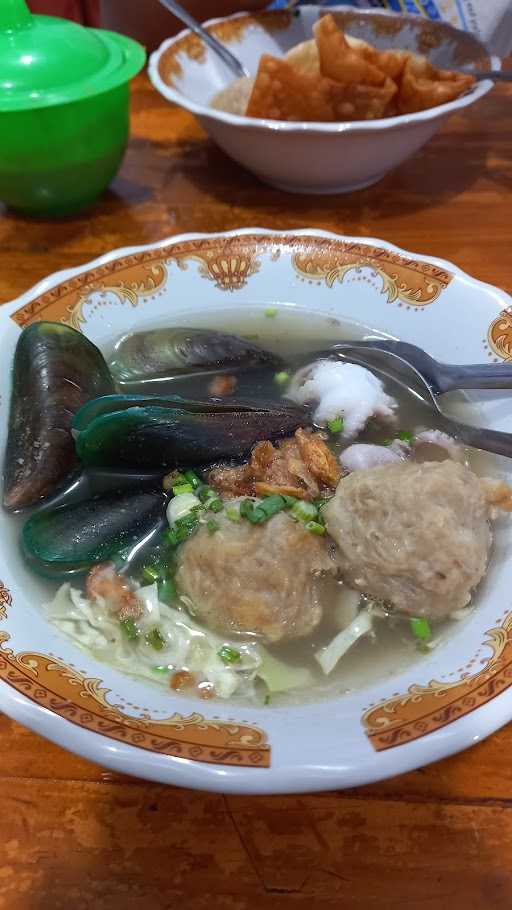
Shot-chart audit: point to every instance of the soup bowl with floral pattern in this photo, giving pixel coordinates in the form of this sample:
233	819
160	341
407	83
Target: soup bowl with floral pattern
399	717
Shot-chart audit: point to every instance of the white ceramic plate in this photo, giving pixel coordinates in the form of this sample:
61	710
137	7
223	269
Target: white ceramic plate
448	700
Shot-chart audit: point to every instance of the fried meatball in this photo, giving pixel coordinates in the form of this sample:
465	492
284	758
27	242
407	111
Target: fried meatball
263	579
416	535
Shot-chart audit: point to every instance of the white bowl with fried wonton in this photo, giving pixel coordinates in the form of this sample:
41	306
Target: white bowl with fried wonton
334	116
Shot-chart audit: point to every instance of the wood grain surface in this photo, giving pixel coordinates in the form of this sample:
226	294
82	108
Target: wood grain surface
79	838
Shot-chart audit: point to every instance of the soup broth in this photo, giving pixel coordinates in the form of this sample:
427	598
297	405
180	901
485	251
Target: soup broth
297	336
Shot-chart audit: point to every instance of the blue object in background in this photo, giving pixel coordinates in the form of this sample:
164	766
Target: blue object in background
427	8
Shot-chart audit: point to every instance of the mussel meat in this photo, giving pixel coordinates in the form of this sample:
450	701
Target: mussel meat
194	433
68	540
56	369
169	352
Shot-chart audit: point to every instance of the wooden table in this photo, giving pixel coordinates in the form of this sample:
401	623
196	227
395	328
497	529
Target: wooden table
78	838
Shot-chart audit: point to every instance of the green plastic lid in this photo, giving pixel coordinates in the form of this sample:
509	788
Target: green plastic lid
46	61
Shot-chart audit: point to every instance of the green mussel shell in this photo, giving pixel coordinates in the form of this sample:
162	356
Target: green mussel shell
159	437
171	351
55	371
70	539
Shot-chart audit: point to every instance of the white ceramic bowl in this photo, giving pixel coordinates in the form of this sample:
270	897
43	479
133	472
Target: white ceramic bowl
445	701
312	157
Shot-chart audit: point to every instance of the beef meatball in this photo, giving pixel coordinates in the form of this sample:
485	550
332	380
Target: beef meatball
416	535
264	579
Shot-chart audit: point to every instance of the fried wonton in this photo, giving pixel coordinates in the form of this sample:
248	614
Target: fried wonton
423	86
360	102
340	61
336	77
304	56
390	63
282	92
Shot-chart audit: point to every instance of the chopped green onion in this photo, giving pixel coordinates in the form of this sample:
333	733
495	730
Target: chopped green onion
215	505
212	525
233	513
289	501
182	488
420	628
155	639
129	628
314	527
273	504
305	511
188	522
247	505
335	425
191	477
160	669
167	591
172	479
321	502
254	513
270	312
151	573
257	516
281	378
246	508
259	512
183	529
206	493
228	655
405	436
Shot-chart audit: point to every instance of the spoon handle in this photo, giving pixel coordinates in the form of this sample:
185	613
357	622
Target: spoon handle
473	376
226	56
480	438
496	75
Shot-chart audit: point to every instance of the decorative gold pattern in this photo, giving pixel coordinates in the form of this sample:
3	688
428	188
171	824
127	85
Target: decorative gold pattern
499	335
423	709
84	702
229	270
5	600
137	282
229	262
413	282
139	274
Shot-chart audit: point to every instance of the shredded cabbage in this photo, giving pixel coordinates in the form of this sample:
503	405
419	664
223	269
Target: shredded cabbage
281	677
185	645
329	656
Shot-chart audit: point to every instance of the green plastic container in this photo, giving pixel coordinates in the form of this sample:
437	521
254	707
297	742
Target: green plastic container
64	110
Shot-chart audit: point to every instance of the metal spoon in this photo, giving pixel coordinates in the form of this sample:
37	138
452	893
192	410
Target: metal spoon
440	377
496	75
395	368
232	62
